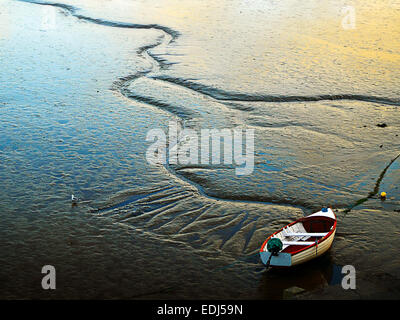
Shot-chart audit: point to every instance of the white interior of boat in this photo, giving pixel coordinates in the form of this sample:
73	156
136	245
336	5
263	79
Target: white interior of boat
296	234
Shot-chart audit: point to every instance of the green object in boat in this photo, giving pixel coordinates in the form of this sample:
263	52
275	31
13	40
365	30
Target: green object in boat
274	245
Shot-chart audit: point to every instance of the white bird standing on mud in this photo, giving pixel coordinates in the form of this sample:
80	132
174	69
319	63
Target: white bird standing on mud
74	199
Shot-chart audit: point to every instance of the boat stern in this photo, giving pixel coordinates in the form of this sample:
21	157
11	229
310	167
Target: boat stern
282	259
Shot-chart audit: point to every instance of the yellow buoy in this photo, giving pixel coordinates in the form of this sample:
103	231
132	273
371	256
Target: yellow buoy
383	194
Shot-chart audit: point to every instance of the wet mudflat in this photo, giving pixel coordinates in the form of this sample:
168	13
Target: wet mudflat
80	91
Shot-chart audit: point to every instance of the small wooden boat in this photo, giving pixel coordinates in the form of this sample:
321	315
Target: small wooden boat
300	241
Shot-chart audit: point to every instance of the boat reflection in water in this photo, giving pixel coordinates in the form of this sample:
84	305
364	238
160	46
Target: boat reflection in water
310	276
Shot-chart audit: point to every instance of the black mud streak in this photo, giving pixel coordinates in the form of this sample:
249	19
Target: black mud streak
381	176
123	82
374	192
67	7
223	95
73	10
182	113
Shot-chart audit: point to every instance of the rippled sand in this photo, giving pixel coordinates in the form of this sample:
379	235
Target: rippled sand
79	95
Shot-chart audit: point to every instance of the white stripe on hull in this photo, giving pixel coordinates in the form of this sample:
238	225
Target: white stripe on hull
312	252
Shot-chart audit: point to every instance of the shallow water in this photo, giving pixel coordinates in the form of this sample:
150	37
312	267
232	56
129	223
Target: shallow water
82	83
